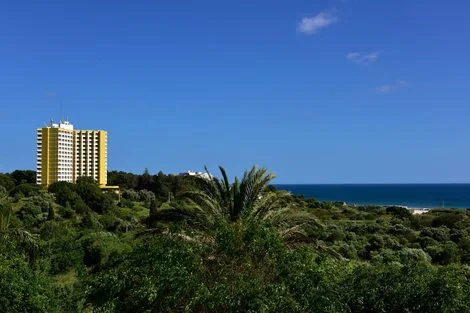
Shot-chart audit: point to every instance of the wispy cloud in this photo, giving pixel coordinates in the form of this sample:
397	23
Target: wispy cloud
312	25
363	58
51	94
385	89
389	88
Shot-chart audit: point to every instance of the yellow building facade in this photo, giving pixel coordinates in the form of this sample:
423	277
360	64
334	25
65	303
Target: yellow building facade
65	154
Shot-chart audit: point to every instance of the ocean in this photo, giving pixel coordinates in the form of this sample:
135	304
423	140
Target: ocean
411	195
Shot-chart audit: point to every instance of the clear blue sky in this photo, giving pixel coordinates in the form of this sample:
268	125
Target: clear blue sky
317	91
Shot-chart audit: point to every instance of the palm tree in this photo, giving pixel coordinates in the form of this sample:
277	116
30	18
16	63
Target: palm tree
219	199
249	198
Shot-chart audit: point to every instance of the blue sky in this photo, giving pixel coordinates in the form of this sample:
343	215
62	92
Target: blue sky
317	91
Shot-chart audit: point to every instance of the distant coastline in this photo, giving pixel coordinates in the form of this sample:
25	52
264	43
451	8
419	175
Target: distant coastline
413	196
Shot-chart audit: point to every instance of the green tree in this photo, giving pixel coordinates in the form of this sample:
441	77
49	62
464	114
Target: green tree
34	210
122	179
130	194
94	197
24	289
153	214
24	176
14	237
145	180
161	185
248	198
26	190
399	212
7	181
3	192
147	197
64	192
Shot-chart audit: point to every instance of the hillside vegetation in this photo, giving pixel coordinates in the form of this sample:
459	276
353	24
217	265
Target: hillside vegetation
185	244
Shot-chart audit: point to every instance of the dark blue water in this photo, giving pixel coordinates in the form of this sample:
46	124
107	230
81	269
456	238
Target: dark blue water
411	195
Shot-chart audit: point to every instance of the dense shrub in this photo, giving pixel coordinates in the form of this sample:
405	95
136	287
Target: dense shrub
450	219
3	192
25	190
24	289
159	275
100	247
7	182
399	212
147	197
131	195
74	250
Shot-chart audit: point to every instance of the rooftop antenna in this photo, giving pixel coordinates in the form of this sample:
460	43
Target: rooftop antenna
60	110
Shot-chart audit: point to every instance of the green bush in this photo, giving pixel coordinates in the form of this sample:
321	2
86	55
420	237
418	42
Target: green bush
399	212
71	245
159	275
7	182
62	247
3	192
100	247
23	289
26	190
131	195
94	197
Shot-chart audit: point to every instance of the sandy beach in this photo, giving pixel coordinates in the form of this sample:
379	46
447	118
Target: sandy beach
419	210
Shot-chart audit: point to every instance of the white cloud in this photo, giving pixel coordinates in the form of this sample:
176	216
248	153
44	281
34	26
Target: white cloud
403	83
385	89
311	25
353	55
363	58
389	88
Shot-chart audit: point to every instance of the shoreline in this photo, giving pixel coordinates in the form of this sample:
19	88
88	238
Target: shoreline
414	210
419	211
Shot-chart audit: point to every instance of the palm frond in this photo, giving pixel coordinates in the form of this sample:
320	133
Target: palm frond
258	181
206	204
248	198
237	203
269	202
21	238
5	216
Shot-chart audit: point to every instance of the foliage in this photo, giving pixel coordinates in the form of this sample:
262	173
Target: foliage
23	177
399	212
99	247
248	198
93	197
6	181
158	275
24	289
130	194
26	190
183	244
13	237
146	196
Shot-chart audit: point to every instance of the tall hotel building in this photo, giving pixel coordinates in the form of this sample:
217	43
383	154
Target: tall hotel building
65	154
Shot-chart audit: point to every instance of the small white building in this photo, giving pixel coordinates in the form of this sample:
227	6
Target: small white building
196	174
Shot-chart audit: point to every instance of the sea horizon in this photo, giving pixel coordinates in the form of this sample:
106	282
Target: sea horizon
412	195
